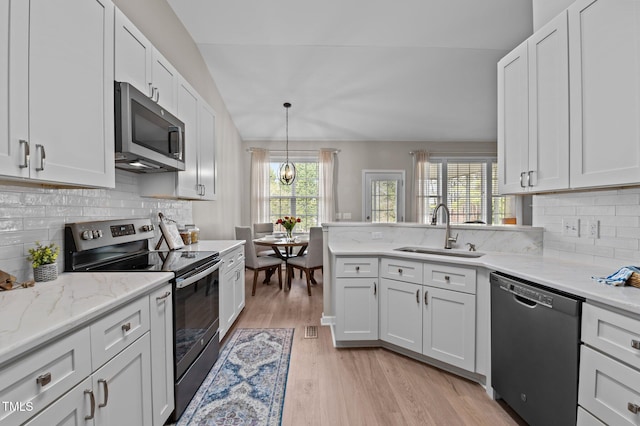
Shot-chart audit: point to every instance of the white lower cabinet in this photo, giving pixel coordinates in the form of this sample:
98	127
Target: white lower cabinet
449	327
356	309
232	295
162	380
100	374
401	314
609	385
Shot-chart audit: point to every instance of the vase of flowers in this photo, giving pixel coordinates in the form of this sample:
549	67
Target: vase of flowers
289	223
43	260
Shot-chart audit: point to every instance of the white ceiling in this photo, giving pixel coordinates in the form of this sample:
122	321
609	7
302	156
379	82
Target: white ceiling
391	70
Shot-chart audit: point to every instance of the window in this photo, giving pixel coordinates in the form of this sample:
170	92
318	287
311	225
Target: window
469	188
299	199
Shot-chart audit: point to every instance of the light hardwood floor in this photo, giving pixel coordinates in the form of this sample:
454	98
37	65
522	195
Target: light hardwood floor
328	386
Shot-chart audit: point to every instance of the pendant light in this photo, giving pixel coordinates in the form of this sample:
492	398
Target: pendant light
287	169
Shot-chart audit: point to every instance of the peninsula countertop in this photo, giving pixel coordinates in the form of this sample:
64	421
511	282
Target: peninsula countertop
570	277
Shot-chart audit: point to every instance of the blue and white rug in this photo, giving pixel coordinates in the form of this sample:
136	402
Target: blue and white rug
246	386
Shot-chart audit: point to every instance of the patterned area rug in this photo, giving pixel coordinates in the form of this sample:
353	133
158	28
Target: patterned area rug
246	386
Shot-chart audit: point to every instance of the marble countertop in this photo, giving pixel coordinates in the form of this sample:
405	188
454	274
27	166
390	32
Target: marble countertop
222	246
29	317
570	277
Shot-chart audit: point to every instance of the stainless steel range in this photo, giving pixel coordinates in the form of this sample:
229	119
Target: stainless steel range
123	246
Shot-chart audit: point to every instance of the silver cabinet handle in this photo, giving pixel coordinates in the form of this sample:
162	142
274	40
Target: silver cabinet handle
418	296
93	404
44	379
426	300
399	271
522	179
447	278
26	154
634	408
126	327
357	269
375	288
157	94
635	344
164	296
529	178
106	393
43	156
151	90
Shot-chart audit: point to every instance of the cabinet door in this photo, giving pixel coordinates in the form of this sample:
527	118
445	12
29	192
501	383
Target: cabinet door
207	152
12	152
604	36
133	55
513	121
401	314
70	410
357	309
227	301
161	323
70	91
164	78
548	51
188	113
238	287
449	325
122	387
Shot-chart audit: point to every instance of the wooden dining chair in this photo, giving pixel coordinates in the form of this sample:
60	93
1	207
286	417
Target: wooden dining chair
310	261
255	263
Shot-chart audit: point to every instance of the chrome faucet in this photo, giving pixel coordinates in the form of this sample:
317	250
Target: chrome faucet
448	239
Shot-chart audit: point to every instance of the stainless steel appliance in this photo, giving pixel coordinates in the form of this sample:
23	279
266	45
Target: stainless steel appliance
148	138
535	347
123	246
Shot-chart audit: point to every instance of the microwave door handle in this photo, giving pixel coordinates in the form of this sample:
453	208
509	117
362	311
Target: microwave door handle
178	130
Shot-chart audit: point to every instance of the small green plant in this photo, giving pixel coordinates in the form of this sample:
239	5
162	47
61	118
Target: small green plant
43	255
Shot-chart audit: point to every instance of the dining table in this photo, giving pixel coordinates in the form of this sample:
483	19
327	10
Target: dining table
285	248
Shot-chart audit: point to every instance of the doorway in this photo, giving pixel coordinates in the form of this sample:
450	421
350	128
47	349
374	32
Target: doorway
383	196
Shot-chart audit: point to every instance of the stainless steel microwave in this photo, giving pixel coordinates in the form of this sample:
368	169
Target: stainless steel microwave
148	138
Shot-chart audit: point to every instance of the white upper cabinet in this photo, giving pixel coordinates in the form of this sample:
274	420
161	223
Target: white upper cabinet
549	106
61	92
207	152
139	63
604	37
513	120
187	185
533	112
9	154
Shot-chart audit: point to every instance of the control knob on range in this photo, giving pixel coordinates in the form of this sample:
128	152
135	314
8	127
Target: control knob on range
87	235
147	228
97	233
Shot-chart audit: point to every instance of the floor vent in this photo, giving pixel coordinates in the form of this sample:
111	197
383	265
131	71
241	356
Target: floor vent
310	331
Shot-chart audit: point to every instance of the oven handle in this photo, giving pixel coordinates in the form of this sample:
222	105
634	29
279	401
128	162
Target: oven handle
196	276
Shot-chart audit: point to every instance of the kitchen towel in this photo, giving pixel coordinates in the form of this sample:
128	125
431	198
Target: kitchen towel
619	277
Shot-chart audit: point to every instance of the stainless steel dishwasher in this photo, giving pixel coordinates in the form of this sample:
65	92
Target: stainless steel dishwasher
535	348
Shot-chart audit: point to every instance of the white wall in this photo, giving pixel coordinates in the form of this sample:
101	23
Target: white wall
357	156
545	10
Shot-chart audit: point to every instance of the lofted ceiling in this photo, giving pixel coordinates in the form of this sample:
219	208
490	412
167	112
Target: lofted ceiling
375	70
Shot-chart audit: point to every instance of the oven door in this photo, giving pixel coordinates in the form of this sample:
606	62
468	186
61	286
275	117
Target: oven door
196	318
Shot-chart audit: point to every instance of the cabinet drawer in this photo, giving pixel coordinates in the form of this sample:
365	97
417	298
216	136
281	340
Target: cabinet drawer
586	419
116	331
351	267
402	270
609	389
450	277
232	259
615	334
42	376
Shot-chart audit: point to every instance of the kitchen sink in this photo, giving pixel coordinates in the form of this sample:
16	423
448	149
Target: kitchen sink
441	252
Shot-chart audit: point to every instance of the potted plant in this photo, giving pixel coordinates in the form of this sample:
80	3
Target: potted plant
288	223
43	260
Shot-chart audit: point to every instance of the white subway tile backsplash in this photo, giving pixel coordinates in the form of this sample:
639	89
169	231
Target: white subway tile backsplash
32	213
617	210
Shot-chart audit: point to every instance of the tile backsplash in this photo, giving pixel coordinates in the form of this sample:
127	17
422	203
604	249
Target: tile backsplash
36	213
618	214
